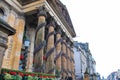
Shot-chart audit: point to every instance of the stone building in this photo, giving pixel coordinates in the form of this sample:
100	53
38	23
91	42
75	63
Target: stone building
91	63
85	65
43	39
114	75
5	31
80	58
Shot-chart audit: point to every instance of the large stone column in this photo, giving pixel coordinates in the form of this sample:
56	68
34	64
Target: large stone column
30	54
18	37
64	60
58	50
5	31
50	48
68	60
72	64
40	41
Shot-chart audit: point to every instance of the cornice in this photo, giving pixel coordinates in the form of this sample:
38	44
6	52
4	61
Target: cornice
6	27
26	8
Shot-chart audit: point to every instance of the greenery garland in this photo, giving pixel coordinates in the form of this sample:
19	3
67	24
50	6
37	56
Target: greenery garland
7	76
19	75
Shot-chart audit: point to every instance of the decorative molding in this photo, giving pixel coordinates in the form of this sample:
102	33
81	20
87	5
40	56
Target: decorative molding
26	8
42	11
51	22
58	30
6	27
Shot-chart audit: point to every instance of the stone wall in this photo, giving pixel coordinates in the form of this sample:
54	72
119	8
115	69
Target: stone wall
12	54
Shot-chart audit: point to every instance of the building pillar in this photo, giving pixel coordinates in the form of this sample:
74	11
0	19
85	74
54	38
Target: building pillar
39	40
50	48
68	60
9	53
18	37
72	63
58	50
63	59
5	31
73	69
30	54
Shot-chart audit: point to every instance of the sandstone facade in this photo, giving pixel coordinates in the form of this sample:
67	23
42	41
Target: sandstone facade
49	32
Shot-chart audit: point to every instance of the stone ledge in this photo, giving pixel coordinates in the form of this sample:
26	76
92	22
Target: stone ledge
6	28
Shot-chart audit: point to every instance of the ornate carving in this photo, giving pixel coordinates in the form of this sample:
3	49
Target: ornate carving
42	11
58	30
51	22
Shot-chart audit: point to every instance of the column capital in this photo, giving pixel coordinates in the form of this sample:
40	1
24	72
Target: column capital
58	30
51	22
64	36
42	11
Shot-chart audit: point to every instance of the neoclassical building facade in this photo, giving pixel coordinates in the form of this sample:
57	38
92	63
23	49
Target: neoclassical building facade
43	39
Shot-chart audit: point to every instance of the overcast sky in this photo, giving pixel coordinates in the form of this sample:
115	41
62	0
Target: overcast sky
97	22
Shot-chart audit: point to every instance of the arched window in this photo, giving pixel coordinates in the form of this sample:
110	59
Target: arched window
2	13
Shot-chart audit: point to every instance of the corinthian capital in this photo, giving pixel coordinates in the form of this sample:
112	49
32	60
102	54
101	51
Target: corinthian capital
51	22
42	11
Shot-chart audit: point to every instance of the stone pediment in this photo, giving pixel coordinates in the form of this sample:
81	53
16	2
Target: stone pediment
63	14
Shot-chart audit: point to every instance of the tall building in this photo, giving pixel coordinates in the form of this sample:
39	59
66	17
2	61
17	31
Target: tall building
91	64
80	58
84	62
43	39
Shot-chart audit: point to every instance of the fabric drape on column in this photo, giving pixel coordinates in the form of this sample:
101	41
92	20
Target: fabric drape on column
40	41
50	48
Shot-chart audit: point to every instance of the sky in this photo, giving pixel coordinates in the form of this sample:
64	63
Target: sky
97	22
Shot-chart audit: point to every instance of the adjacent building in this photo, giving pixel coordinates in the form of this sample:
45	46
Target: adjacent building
43	39
80	58
114	75
84	62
